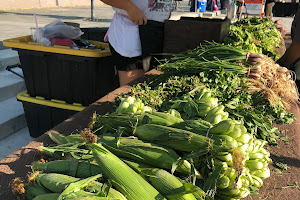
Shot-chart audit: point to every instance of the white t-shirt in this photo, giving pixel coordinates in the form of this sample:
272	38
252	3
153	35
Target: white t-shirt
123	35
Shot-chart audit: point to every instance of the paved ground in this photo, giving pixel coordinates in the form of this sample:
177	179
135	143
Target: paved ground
14	142
18	22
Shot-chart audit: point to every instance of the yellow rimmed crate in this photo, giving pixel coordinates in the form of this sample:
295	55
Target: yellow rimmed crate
59	72
42	115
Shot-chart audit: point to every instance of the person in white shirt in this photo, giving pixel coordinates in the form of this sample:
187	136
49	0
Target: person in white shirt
124	34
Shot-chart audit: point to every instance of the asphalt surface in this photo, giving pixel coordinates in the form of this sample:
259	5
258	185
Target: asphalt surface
18	23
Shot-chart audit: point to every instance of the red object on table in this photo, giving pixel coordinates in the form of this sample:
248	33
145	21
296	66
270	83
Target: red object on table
62	41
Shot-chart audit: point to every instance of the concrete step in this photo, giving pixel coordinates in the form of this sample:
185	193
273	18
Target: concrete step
13	142
12	117
11	84
3	47
8	57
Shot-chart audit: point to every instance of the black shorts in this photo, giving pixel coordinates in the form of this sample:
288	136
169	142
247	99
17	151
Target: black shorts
123	63
151	36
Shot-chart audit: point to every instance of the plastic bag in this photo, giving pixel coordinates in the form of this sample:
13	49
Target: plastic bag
56	28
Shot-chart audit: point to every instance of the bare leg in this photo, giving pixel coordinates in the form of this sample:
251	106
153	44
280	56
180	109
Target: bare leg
128	76
269	9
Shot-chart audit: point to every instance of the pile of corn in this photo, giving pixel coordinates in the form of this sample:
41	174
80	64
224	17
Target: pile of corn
152	155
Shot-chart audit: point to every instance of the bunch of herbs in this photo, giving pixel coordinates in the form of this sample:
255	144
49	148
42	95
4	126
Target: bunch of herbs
255	35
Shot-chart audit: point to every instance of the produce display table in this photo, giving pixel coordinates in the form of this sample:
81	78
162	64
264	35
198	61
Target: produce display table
18	163
274	188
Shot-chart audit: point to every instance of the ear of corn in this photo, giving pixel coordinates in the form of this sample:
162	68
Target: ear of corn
125	179
50	196
81	194
177	139
52	153
76	186
129	121
60	139
114	194
57	138
137	166
166	183
32	191
80	169
89	198
55	182
198	126
65	151
159	118
97	187
211	182
144	152
73	138
112	122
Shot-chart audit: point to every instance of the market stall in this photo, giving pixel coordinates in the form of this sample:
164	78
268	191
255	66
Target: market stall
18	163
206	118
278	186
251	8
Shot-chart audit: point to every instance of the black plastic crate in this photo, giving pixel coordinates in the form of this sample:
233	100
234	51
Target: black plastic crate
42	115
283	9
96	34
189	32
74	76
69	78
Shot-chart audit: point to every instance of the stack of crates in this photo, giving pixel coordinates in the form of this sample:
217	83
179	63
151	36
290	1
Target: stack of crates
61	81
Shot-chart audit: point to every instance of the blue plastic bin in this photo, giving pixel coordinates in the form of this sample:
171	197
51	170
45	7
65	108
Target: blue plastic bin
201	5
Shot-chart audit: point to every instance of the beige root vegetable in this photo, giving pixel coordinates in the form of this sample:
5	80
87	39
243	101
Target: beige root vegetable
275	83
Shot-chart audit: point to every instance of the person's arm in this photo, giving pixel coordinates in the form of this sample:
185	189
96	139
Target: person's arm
290	56
134	13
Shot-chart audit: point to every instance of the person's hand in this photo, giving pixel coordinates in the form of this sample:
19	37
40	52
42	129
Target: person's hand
136	15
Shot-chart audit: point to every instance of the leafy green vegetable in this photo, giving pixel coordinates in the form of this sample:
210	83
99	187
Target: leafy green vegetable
255	35
280	165
229	88
291	185
209	57
277	170
286	140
